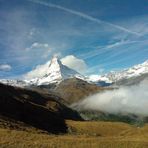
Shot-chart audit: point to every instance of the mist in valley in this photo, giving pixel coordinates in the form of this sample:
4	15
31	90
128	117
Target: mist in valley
124	100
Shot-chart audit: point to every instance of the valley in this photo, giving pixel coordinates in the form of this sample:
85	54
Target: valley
81	134
52	111
73	73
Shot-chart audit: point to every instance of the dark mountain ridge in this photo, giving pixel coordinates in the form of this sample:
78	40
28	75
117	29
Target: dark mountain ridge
35	109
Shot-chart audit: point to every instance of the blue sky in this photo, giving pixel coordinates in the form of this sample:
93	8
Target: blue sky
106	34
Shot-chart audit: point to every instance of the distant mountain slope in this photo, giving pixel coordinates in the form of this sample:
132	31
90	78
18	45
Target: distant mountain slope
74	89
56	72
18	83
131	81
35	109
130	73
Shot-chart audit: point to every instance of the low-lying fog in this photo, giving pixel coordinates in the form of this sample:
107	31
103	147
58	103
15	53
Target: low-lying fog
128	99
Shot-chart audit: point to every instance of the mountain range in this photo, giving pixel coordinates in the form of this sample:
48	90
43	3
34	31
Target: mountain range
135	72
52	96
57	72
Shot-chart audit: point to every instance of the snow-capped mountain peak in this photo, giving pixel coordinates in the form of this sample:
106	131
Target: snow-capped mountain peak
54	66
57	72
112	77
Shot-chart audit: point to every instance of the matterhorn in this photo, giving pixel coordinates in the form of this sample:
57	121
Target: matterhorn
57	72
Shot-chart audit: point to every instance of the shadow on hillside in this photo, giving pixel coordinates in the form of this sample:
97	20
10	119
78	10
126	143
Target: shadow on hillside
14	106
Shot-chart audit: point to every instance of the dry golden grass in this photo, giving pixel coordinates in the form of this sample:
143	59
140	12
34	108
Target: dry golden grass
82	135
98	128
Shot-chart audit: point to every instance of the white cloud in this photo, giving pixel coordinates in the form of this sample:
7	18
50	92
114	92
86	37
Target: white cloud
94	77
70	61
5	67
42	47
129	99
32	32
37	45
74	63
38	72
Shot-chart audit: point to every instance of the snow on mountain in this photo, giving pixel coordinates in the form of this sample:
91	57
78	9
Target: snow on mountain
18	83
54	72
112	77
96	78
57	72
38	72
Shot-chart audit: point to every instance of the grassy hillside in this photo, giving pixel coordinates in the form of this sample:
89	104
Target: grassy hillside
37	119
81	135
73	90
12	124
35	109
